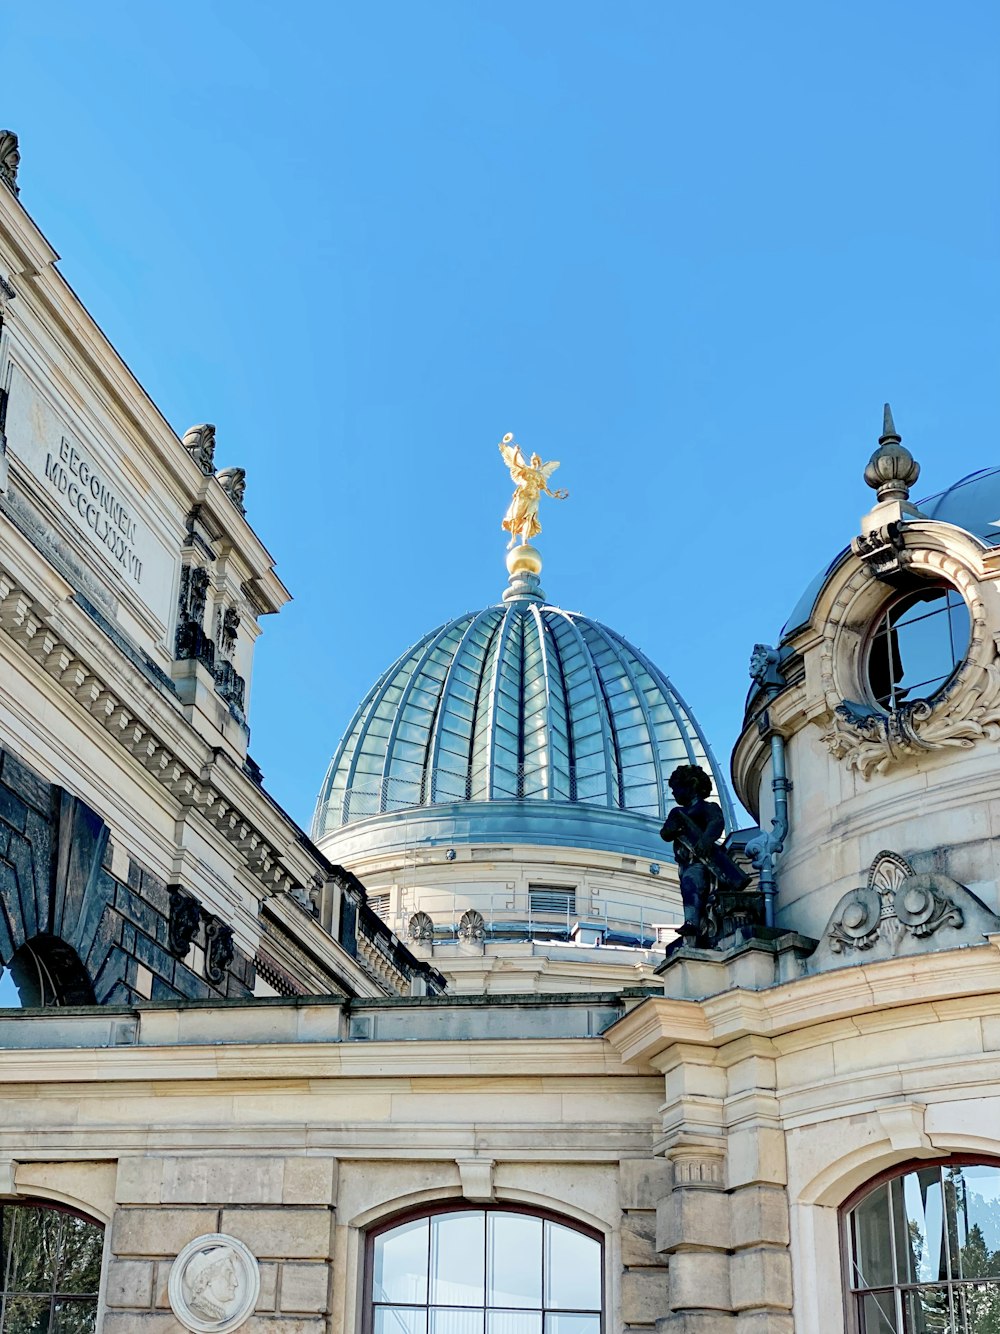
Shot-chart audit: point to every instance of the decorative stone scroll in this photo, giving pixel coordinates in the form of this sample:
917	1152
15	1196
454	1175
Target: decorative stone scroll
421	927
214	1284
199	441
234	482
472	925
10	160
898	911
185	917
219	949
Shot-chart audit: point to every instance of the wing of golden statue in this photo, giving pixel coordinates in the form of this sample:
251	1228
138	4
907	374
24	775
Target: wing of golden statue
547	469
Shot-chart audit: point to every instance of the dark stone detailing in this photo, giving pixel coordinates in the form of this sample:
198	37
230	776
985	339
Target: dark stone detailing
7	292
25	783
694	827
185	917
81	887
10	160
229	625
275	976
145	664
219	949
191	640
48	972
68	927
253	771
230	685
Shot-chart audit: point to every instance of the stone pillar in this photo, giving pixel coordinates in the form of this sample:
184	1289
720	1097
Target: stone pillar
692	1222
643	1182
760	1268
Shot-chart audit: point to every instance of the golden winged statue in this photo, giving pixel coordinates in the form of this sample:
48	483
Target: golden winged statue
530	481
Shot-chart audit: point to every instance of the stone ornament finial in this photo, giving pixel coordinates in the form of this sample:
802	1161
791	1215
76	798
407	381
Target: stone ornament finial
214	1284
199	441
892	469
10	159
234	482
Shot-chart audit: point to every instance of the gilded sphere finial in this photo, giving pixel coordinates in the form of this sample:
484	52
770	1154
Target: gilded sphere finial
524	559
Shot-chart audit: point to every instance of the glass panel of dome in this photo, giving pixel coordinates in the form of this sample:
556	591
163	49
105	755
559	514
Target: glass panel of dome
458	1259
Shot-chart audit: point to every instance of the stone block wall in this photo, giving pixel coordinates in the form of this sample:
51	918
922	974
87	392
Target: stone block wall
644	1280
280	1207
63	883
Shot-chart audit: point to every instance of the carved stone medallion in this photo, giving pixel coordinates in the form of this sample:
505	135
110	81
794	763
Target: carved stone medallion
214	1284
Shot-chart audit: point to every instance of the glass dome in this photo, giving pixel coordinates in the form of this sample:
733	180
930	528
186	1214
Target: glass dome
520	703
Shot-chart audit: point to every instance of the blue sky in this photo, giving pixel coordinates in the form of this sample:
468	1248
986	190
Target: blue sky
688	249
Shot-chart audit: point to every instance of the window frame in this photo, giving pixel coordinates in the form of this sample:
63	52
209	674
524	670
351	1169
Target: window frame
852	1323
60	1207
910	589
420	1211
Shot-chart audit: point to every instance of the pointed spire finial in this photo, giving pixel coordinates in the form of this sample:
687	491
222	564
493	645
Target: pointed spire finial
892	469
889	431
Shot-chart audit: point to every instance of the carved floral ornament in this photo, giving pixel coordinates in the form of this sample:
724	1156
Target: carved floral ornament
895	901
870	739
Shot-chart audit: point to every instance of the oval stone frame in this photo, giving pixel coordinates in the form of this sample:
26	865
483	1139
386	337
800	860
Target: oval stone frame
248	1287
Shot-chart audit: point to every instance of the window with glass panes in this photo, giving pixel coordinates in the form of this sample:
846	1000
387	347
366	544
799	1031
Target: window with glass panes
484	1271
918	642
51	1270
923	1252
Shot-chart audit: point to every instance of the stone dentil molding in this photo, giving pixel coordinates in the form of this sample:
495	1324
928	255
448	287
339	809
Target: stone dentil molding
963	713
27	625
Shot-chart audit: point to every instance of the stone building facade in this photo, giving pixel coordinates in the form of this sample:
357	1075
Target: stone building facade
235	1096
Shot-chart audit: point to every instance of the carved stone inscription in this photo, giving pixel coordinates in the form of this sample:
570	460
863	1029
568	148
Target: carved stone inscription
92	500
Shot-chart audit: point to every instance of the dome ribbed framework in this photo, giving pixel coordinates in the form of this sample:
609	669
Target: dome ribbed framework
518	702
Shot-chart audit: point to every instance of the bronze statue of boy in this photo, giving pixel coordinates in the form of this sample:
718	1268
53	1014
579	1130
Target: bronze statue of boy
694	827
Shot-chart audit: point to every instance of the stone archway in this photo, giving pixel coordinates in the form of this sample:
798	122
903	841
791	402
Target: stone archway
47	972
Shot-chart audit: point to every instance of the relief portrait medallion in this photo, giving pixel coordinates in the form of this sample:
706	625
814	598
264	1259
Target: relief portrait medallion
213	1284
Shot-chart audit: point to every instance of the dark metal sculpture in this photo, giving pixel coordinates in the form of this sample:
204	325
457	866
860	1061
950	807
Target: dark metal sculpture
694	827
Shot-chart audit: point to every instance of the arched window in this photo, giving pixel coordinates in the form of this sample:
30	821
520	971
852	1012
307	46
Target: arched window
484	1271
51	1270
48	972
923	1251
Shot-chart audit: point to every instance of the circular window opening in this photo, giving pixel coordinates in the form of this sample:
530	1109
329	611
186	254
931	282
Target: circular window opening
918	643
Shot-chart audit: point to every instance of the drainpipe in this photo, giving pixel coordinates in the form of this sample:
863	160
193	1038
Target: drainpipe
764	849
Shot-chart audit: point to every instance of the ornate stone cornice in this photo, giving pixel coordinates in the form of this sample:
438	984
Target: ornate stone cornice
27	625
